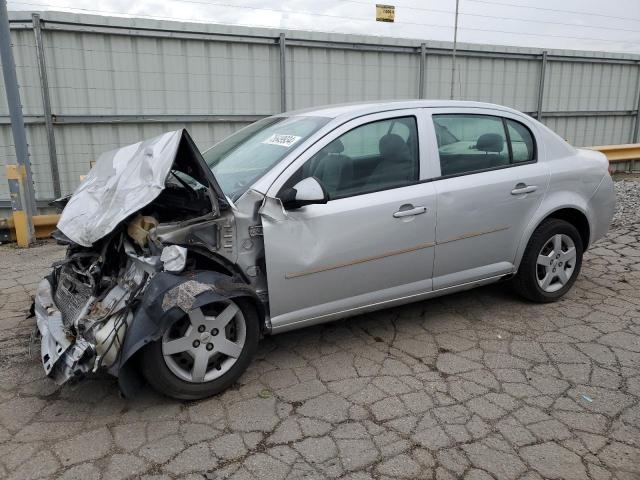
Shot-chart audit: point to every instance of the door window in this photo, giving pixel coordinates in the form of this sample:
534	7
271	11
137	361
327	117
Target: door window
471	143
375	156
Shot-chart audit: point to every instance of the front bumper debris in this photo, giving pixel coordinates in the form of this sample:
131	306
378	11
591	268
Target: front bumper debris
63	356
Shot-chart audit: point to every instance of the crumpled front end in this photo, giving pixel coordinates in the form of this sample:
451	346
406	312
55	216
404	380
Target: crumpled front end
92	310
80	331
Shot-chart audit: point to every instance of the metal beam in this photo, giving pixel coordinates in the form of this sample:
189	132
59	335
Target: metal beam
591	113
423	60
23	202
543	72
195	118
46	106
283	72
241	118
163	118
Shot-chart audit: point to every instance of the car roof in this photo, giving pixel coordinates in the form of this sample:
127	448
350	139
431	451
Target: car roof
364	108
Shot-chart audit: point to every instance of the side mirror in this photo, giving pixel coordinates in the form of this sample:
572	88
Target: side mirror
306	192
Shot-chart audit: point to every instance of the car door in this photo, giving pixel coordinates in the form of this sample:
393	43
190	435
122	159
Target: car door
372	242
489	187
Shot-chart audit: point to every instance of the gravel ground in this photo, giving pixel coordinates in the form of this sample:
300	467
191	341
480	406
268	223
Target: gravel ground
476	385
627	204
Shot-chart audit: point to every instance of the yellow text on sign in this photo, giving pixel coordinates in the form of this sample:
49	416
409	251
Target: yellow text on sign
385	13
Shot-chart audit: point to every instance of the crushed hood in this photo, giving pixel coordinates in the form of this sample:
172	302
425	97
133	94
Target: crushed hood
122	182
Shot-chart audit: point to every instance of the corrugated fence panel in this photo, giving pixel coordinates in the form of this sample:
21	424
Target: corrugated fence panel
510	82
319	76
590	86
99	74
24	54
587	131
38	153
135	67
79	145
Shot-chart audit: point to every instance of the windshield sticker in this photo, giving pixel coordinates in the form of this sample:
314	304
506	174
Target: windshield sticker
282	140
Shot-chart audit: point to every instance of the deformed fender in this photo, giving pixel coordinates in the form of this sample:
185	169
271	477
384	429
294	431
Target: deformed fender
167	298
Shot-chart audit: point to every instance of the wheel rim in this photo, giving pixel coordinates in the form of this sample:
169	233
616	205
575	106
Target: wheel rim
205	343
556	263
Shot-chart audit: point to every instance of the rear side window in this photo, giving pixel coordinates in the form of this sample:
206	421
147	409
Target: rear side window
472	143
522	144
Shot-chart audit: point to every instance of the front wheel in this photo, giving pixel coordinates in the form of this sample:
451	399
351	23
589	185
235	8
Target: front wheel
550	263
204	352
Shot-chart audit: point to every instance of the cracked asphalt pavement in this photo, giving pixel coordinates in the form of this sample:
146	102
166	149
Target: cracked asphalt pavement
476	385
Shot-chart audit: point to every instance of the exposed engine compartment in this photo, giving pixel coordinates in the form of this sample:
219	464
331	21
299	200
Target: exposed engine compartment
86	307
96	291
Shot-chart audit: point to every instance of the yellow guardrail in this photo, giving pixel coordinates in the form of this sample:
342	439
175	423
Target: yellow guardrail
619	153
44	225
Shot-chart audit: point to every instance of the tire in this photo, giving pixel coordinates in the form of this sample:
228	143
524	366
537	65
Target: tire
535	271
168	370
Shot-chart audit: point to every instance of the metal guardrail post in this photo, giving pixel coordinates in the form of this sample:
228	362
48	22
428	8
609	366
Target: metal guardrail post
46	106
21	188
543	72
283	72
423	58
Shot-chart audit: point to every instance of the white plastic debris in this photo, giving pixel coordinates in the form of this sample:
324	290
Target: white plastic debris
174	258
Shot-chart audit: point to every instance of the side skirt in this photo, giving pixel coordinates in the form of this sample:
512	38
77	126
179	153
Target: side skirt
285	327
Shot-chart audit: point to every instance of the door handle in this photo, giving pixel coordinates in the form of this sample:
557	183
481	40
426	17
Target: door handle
522	188
410	212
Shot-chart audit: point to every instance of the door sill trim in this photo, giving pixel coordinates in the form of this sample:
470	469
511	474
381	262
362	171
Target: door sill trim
373	306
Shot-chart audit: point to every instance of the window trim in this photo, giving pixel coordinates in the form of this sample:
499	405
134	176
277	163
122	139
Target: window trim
507	137
416	181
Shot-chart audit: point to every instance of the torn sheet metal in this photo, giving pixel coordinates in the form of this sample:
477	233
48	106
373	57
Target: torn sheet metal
121	183
184	295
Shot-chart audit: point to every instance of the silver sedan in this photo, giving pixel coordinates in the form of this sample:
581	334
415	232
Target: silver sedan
183	260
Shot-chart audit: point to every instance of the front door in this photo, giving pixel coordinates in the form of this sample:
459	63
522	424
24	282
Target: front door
371	243
490	186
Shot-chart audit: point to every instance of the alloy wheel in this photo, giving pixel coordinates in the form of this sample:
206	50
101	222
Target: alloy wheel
205	343
556	263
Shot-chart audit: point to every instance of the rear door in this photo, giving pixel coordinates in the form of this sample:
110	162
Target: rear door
372	242
489	187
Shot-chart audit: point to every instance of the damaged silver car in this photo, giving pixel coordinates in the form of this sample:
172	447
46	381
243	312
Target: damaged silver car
178	262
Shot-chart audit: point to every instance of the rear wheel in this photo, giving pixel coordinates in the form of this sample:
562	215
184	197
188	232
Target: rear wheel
550	263
204	352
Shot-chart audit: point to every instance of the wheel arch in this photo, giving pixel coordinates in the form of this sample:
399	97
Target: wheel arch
167	298
574	213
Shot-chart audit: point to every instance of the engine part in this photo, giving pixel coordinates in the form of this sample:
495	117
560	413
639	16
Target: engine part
138	229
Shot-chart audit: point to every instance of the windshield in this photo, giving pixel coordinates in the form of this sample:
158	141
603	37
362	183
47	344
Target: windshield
240	159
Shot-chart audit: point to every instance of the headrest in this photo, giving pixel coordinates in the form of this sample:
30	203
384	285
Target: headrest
490	142
334	147
392	144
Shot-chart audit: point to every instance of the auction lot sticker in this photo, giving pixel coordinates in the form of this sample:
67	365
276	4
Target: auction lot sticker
282	140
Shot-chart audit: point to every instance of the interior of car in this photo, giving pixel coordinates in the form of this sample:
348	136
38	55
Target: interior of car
372	157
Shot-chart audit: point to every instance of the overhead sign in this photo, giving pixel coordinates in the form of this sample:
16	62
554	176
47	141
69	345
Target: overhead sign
385	13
